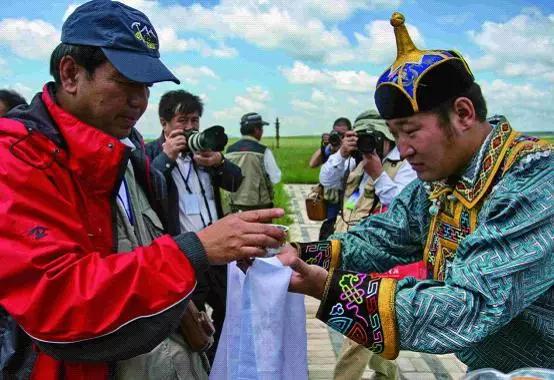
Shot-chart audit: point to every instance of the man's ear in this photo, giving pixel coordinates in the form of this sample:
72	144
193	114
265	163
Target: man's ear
464	112
165	126
70	74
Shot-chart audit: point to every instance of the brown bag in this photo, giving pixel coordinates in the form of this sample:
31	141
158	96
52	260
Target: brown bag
197	329
316	207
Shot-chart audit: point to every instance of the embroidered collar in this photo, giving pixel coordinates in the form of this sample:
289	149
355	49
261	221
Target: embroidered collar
471	173
482	168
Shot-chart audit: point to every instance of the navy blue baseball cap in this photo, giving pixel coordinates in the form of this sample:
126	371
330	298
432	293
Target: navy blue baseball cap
124	34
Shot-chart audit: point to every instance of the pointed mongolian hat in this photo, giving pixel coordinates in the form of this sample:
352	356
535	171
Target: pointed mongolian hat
419	80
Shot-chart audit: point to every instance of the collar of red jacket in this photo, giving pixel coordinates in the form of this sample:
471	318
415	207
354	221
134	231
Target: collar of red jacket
93	155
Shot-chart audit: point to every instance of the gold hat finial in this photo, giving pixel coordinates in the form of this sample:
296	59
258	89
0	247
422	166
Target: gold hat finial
406	51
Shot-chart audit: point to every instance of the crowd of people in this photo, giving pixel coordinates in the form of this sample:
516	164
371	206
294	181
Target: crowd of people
438	236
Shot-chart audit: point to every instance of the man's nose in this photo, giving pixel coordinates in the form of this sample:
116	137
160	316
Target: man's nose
404	148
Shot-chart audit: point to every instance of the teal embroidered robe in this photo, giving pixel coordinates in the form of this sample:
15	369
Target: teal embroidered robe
489	245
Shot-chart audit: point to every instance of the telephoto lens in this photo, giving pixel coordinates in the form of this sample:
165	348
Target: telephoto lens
211	139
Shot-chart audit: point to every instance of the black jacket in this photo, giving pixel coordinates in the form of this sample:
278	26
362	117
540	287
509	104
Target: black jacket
228	177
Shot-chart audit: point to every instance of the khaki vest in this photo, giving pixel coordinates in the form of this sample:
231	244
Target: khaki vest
365	201
147	225
256	190
173	355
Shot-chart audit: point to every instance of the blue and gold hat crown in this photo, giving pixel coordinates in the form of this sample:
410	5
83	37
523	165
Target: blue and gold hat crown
419	80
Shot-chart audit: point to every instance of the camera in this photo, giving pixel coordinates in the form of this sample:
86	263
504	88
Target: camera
335	139
211	139
370	141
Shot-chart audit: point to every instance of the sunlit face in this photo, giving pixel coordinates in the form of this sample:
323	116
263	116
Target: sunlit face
431	149
181	121
109	101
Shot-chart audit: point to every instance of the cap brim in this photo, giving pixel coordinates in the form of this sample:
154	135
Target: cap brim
140	68
265	123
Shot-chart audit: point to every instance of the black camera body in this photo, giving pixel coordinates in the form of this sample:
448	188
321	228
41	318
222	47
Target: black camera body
371	141
211	139
335	139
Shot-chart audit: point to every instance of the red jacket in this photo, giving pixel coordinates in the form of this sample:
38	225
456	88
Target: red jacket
61	279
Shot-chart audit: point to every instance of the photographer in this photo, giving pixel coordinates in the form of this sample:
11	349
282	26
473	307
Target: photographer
330	142
194	178
369	189
257	163
378	177
342	145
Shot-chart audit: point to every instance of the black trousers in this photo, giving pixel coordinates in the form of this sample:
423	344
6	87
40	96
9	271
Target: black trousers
211	289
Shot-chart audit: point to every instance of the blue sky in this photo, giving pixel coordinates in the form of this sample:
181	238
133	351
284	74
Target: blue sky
308	61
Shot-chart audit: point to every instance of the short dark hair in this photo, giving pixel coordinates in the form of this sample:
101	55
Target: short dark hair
343	120
179	101
89	57
11	99
474	94
249	129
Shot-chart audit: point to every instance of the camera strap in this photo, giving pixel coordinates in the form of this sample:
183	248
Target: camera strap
202	190
185	180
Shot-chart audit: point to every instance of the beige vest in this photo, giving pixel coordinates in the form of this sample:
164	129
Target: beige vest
364	204
256	189
147	225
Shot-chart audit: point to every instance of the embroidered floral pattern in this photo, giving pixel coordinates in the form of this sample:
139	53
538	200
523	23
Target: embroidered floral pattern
351	307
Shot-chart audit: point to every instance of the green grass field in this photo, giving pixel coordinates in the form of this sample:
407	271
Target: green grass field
293	156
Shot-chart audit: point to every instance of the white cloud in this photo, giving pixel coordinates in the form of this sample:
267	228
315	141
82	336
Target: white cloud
4	68
317	113
303	105
33	39
170	42
523	104
338	10
522	46
345	80
508	95
378	43
255	99
304	29
193	74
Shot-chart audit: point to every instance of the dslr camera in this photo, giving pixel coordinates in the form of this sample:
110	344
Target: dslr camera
370	141
211	139
335	139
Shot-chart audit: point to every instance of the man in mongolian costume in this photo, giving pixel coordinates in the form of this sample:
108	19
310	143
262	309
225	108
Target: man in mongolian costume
480	215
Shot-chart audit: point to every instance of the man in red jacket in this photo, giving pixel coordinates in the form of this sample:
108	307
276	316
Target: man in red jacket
74	180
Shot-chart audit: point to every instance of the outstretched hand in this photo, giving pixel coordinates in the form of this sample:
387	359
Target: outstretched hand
305	279
241	236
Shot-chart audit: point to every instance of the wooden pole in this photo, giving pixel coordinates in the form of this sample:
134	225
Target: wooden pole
277	131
